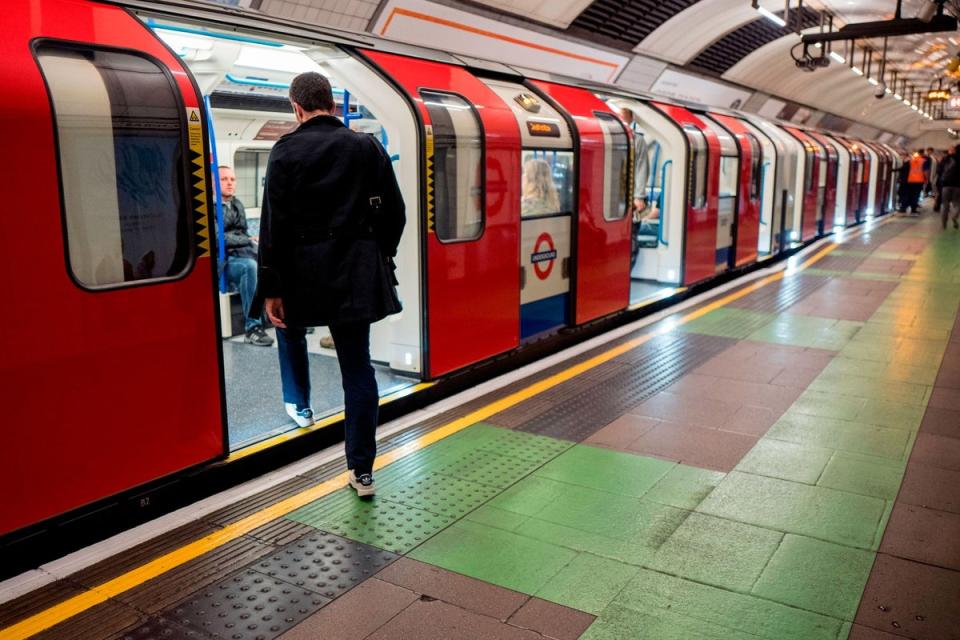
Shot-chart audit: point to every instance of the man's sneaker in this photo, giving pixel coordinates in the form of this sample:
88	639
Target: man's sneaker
257	336
303	417
363	483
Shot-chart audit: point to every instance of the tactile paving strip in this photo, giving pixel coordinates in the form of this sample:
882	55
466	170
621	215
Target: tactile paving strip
325	563
440	494
161	629
839	263
780	296
659	366
247	606
384	524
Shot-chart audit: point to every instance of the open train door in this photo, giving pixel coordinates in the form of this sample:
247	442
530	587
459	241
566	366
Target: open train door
749	191
602	257
472	168
108	226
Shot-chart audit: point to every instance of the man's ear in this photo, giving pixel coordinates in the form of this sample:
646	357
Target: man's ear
297	111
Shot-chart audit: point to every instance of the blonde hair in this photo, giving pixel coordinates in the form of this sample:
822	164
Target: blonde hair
538	184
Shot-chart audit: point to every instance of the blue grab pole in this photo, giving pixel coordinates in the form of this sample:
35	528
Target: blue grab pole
347	116
218	201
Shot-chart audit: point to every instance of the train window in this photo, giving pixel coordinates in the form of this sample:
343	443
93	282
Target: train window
698	166
616	191
120	126
729	176
457	167
808	169
756	169
250	167
547	183
822	179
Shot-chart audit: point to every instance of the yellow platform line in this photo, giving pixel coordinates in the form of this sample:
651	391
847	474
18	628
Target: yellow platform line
78	604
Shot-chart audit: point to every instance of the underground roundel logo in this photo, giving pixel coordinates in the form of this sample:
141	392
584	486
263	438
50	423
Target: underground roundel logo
543	256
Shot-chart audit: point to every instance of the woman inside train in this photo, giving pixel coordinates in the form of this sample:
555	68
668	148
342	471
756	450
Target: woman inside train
539	191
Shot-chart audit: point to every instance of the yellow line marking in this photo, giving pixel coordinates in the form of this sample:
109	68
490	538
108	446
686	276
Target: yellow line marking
78	604
320	424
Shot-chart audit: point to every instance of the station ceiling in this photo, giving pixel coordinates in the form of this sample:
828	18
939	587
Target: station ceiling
731	40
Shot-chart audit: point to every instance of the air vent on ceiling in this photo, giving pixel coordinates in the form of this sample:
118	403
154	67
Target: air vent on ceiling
624	23
719	57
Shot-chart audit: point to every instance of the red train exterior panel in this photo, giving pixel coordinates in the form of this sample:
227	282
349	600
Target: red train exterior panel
700	245
833	171
748	204
113	388
809	226
473	287
603	246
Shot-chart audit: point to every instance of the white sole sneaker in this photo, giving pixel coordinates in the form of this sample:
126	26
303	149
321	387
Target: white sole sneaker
362	491
302	420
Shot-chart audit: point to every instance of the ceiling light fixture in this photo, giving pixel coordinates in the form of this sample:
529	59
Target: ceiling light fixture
837	57
769	15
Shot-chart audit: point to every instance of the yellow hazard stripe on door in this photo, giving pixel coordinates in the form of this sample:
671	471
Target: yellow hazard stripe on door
198	182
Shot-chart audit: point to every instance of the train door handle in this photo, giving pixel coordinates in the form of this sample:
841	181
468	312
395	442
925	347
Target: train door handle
523	277
565	268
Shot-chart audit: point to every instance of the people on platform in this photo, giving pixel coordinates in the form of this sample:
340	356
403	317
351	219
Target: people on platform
538	192
240	267
917	175
330	226
950	195
931	169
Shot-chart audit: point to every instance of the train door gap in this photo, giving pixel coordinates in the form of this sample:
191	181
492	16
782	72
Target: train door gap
245	81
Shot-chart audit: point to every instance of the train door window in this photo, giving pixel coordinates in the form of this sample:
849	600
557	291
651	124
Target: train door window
120	127
616	167
251	169
808	169
457	170
698	166
729	176
756	169
547	183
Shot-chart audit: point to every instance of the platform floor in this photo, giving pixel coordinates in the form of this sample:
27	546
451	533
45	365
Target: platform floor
781	461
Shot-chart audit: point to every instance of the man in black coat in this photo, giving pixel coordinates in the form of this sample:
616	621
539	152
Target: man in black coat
330	226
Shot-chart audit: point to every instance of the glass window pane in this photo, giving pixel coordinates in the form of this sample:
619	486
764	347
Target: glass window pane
457	171
698	167
547	183
616	167
120	128
729	173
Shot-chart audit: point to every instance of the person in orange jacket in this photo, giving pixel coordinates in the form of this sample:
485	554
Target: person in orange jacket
917	175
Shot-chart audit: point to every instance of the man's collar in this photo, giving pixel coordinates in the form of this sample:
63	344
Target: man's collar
329	120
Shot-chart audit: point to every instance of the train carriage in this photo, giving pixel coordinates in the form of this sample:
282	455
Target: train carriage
536	206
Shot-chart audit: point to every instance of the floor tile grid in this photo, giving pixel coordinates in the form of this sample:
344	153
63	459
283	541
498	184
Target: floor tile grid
892	485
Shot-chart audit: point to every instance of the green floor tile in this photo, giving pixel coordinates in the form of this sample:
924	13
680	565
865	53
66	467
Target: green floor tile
499	518
516	444
894	415
656	523
388	525
828	405
684	487
651	593
870	388
495	556
485	467
900	372
715	551
836	516
728	322
818	431
786	460
588	583
816	576
605	470
440	494
807	331
621	623
867	475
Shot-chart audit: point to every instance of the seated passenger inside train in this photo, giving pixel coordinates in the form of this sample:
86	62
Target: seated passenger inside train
646	218
539	193
240	260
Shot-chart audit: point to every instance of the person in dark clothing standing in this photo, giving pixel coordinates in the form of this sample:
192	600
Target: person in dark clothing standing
330	226
950	194
241	263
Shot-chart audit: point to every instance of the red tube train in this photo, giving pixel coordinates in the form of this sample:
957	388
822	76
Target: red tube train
535	204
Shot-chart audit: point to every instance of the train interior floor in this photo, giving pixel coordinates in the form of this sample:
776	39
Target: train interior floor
254	399
779	461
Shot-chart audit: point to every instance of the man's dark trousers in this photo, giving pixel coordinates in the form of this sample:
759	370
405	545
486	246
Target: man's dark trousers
360	393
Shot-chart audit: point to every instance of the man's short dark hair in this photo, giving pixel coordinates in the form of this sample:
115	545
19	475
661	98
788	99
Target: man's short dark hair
312	92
